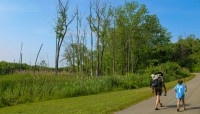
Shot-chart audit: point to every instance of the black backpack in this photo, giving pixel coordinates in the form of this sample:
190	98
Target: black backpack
156	82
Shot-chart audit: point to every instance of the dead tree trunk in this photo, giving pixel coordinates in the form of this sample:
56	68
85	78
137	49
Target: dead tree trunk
37	56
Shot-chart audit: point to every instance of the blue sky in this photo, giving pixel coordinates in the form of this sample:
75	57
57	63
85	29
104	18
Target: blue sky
32	21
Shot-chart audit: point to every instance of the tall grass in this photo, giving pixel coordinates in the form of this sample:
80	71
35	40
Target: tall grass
29	87
17	89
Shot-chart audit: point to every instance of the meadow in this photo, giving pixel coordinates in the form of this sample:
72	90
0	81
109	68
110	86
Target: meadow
26	87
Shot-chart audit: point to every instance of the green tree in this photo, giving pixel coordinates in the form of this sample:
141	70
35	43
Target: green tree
137	34
187	50
61	28
100	24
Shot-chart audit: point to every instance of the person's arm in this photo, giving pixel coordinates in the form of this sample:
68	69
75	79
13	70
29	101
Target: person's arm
150	84
164	87
185	88
175	89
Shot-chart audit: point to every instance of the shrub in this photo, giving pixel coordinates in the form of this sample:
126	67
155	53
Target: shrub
171	71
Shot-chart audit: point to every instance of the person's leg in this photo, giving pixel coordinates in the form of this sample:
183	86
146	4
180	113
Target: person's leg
160	93
183	101
157	101
178	104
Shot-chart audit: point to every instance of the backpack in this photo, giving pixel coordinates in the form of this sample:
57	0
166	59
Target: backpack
156	81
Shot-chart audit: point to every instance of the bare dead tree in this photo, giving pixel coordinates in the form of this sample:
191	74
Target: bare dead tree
91	36
78	39
37	56
20	61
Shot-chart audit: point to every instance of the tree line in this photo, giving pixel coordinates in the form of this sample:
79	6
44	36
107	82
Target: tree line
117	41
123	39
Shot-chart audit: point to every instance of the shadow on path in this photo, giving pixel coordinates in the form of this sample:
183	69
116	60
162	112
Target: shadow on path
174	106
193	108
187	107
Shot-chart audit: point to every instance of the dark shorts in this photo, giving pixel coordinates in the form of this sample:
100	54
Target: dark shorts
158	91
181	99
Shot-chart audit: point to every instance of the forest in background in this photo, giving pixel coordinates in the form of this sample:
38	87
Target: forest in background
185	53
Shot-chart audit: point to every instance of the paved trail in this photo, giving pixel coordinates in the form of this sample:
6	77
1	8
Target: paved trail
192	100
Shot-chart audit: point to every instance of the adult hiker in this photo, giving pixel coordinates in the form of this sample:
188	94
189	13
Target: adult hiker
180	90
157	84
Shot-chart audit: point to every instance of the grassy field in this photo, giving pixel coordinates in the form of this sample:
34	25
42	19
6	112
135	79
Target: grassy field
28	87
104	103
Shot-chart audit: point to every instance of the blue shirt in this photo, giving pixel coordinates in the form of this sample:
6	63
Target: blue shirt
180	90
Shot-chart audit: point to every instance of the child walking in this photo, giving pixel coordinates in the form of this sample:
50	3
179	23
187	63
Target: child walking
180	90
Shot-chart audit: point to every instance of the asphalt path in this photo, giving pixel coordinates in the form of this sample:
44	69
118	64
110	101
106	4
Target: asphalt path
192	100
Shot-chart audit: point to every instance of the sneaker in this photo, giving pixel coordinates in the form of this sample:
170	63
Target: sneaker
156	109
177	109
